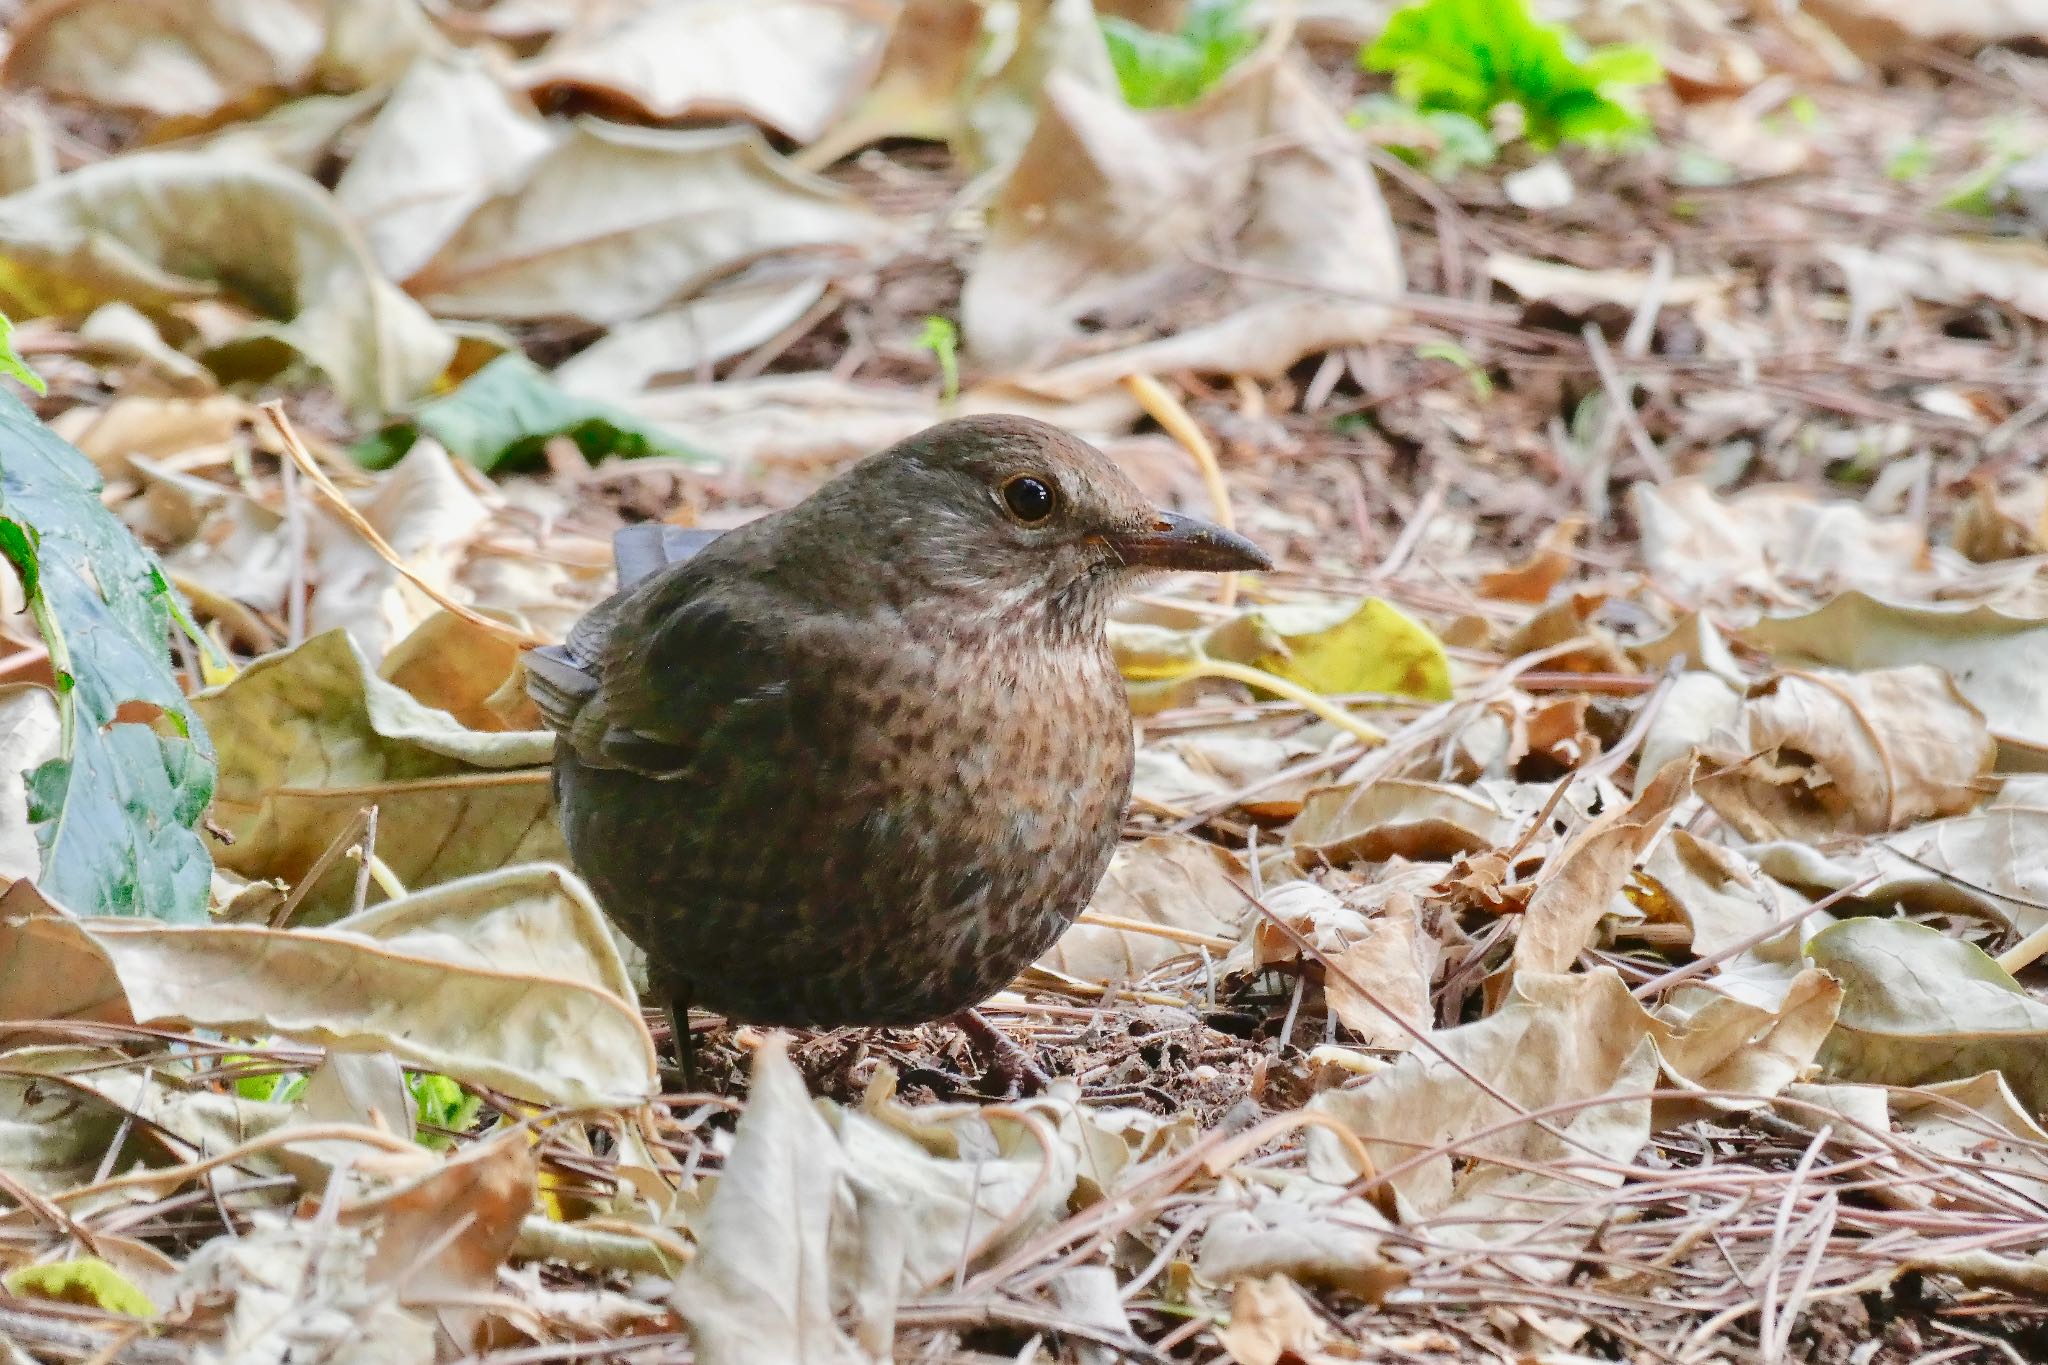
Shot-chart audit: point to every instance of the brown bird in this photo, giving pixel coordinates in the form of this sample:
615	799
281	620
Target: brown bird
861	761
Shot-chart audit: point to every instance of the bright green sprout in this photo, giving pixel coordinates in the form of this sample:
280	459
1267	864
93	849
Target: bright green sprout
942	339
1166	70
1473	57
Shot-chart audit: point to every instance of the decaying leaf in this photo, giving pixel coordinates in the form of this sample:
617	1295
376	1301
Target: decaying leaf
1186	887
509	979
151	228
194	62
1998	659
615	223
1582	881
791	65
1110	214
313	736
1815	754
410	193
1920	1006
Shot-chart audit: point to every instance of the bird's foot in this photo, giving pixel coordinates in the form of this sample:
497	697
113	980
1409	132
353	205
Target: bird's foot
1007	1062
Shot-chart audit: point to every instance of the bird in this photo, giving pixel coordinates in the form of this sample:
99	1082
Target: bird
862	760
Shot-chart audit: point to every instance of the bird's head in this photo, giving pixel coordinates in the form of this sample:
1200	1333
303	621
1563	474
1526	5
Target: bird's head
1006	517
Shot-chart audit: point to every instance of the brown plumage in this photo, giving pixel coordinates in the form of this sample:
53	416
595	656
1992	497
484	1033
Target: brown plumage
861	761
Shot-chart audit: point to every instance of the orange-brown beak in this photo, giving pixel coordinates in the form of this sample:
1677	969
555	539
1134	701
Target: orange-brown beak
1168	540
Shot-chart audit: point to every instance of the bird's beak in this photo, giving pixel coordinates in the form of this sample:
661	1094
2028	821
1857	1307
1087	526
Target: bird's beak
1167	540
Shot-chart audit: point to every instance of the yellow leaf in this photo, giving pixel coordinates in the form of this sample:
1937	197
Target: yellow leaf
1335	648
91	1282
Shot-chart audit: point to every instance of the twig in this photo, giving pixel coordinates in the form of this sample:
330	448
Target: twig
296	448
1163	408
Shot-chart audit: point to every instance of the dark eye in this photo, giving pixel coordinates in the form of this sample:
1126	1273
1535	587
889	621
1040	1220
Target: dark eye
1029	500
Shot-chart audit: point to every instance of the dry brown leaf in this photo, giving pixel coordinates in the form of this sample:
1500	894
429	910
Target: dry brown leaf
307	738
1769	543
510	979
1565	284
1334	1242
1582	883
1396	817
1395	961
1815	755
409	193
791	65
1998	658
762	1287
1178	883
176	433
1111	214
615	223
193	62
152	228
1920	1006
1535	578
440	1237
1270	1320
457	666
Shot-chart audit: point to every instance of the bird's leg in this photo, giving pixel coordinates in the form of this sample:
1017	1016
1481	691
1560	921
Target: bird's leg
680	1038
1009	1061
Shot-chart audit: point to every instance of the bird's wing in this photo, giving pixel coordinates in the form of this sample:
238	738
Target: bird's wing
564	679
680	667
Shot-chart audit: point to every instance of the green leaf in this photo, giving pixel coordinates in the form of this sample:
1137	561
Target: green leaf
503	414
1441	142
442	1103
1166	70
11	363
1471	57
115	812
89	1282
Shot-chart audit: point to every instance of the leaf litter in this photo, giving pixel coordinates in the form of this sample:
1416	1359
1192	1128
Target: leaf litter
1586	905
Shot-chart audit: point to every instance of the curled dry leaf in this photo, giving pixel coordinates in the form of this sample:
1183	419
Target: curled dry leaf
1271	1321
193	62
1187	887
1999	659
1814	755
1953	270
1770	544
1111	213
293	1285
310	737
150	228
445	980
791	65
1920	1006
1582	882
408	193
615	223
1557	1040
1535	578
441	1236
1332	1242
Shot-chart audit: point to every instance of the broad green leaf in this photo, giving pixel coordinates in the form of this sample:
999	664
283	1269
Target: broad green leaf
115	812
504	412
90	1282
1473	56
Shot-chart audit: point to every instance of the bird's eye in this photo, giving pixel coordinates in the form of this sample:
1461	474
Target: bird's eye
1029	500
